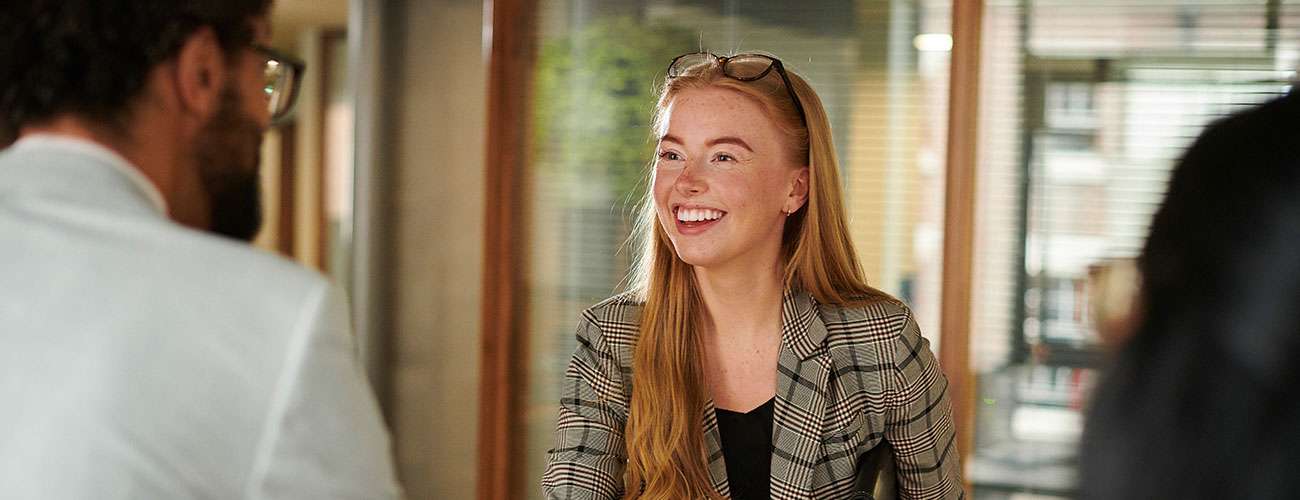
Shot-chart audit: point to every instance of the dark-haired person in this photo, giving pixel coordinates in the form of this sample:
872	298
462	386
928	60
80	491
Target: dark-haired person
1203	402
750	359
146	351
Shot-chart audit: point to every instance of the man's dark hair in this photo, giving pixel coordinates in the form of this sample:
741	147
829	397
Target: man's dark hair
92	57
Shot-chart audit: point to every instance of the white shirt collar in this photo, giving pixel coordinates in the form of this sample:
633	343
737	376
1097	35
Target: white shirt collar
99	152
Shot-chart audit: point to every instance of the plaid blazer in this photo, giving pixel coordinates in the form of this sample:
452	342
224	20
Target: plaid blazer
847	378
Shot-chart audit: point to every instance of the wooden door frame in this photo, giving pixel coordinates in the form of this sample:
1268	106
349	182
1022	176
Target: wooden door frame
959	219
512	54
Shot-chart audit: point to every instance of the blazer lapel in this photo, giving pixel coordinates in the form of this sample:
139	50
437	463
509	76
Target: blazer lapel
803	371
713	450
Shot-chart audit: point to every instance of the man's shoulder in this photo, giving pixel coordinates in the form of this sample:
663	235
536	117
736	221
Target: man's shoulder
224	258
148	262
213	271
68	208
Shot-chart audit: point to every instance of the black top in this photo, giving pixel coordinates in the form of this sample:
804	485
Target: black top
747	450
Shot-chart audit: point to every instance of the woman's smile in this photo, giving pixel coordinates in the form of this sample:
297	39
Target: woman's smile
696	220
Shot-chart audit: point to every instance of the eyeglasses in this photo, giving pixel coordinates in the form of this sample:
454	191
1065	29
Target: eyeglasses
743	67
283	78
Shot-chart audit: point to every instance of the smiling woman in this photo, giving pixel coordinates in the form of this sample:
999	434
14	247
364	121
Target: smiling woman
748	325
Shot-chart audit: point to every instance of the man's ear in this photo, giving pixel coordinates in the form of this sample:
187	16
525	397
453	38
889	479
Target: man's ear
200	72
798	190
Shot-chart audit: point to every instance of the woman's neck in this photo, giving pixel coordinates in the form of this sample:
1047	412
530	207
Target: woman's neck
742	305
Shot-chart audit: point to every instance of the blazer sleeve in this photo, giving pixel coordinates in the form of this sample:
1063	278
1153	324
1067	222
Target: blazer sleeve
919	425
589	455
324	437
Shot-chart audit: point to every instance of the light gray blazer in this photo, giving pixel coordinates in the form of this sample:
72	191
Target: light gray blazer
142	359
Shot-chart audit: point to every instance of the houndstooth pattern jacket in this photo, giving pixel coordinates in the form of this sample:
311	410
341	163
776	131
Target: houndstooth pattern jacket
847	378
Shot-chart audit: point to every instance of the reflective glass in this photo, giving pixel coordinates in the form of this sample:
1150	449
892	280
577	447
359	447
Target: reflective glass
281	78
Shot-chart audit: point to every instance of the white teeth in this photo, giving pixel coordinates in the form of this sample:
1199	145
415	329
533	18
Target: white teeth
697	214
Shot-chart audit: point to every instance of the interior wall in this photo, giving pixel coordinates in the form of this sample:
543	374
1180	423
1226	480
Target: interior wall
428	165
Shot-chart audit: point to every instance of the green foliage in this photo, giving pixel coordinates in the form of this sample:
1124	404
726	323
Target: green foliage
594	100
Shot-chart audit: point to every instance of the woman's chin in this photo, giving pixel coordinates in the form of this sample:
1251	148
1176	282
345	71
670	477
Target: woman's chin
697	258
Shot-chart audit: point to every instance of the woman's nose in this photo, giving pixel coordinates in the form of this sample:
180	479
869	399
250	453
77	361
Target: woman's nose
690	181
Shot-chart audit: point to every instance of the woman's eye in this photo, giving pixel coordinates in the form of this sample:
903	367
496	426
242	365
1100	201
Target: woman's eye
669	155
724	157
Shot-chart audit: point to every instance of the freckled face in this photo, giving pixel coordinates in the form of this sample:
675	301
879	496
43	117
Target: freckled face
724	181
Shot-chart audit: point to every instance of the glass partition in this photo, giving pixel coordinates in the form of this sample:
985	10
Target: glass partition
880	67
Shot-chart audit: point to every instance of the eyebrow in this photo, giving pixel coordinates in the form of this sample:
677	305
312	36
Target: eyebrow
712	142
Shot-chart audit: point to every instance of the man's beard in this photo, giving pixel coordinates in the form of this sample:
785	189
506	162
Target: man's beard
228	153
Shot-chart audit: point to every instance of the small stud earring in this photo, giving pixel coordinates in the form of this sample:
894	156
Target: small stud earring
789	212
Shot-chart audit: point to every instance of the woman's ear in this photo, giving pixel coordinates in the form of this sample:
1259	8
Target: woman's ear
200	72
798	191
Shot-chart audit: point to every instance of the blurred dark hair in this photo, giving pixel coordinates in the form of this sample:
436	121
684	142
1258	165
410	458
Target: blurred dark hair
92	57
1204	401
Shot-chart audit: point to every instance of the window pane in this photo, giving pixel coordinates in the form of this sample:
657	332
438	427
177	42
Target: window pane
1086	106
880	67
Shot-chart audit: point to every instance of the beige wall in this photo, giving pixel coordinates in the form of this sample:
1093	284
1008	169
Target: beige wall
428	158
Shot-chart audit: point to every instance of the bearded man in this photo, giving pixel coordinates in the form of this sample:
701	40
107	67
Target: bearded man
146	350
